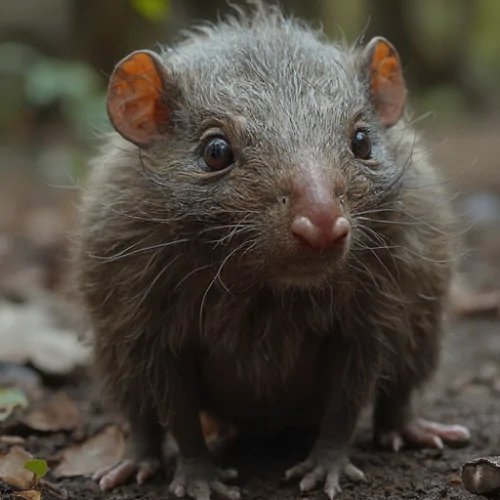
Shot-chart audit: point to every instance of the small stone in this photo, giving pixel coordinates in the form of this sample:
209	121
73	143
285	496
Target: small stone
487	373
432	453
462	381
476	390
482	475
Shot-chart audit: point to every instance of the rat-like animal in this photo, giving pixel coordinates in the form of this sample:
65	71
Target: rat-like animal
263	238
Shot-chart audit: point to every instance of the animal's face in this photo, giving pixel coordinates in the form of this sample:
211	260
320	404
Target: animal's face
268	143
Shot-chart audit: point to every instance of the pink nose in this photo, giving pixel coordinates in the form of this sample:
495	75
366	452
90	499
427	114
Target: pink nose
323	231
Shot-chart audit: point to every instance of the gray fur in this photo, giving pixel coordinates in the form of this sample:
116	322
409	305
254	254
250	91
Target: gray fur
170	264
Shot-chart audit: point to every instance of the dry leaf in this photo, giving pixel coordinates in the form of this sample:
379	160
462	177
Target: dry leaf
465	301
29	333
102	450
57	414
29	495
12	469
12	440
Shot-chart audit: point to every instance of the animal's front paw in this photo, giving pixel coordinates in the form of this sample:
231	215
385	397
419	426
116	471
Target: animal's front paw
124	470
423	434
327	469
198	479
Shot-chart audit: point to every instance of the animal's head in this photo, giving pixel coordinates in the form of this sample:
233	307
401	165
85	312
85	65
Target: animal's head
266	140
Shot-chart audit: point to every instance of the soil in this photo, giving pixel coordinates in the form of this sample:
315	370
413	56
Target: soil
466	390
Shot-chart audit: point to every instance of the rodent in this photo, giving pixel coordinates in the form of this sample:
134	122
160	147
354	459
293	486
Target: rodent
263	237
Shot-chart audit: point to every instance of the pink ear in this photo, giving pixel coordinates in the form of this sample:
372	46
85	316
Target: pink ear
135	100
387	86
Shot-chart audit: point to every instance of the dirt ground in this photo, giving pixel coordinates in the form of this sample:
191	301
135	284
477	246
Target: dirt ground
465	391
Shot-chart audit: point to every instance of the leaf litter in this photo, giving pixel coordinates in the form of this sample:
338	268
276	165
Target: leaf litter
98	452
29	334
59	413
10	399
12	469
52	347
25	474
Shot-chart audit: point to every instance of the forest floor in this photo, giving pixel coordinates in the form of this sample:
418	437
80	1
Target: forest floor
63	410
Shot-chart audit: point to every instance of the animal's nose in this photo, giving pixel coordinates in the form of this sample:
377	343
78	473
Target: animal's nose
322	231
318	220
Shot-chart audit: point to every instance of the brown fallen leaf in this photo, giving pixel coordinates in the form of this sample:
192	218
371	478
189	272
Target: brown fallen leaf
465	301
29	495
57	414
12	440
478	303
100	451
12	469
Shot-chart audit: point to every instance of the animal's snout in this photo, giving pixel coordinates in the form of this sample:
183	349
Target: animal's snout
322	231
318	221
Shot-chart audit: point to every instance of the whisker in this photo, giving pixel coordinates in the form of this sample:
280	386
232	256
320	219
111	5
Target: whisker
217	275
159	275
389	274
190	274
119	254
122	255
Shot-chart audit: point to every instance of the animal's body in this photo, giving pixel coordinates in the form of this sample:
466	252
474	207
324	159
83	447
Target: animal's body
264	238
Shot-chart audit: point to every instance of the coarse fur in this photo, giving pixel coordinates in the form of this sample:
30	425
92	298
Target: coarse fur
172	261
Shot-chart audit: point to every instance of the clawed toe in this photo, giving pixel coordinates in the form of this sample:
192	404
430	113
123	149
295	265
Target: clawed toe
424	434
314	471
332	487
299	470
312	478
199	480
353	473
117	474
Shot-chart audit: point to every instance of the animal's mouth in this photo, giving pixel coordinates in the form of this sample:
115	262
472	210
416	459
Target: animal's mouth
308	271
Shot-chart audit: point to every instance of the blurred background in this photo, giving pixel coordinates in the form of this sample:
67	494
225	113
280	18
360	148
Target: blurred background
56	56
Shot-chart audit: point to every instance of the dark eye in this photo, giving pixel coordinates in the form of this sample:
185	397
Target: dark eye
217	154
361	145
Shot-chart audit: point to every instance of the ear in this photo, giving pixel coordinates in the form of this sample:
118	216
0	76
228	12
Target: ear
386	82
136	98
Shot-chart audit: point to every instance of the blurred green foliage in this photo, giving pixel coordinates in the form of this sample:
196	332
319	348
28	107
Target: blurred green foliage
154	10
11	398
33	80
33	84
484	49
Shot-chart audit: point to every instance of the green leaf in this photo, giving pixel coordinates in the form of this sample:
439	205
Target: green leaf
38	467
9	400
154	10
10	397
